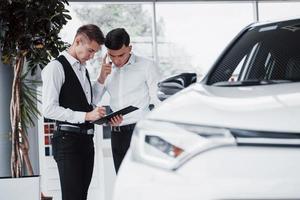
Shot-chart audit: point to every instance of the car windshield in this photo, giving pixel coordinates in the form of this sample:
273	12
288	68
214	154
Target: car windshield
266	54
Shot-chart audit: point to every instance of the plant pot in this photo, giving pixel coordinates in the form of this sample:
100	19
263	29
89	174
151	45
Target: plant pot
20	188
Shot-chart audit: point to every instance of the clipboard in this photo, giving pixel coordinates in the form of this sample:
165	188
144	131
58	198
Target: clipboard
123	112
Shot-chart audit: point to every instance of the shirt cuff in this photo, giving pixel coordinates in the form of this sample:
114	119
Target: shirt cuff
79	117
98	87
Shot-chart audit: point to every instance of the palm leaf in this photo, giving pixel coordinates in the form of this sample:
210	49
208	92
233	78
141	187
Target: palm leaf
29	98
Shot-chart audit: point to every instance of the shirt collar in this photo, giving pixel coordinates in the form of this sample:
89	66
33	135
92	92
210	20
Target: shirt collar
130	61
73	61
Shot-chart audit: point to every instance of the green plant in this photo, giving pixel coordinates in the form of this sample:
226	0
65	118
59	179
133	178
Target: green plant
28	34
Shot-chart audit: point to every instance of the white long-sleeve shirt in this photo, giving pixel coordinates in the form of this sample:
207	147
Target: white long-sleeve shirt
133	84
53	77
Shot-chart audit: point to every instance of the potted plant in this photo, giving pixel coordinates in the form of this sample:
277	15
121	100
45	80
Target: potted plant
28	39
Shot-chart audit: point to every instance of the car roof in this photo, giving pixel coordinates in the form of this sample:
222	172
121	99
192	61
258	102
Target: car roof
283	21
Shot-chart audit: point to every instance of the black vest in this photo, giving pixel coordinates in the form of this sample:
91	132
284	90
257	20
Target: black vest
72	95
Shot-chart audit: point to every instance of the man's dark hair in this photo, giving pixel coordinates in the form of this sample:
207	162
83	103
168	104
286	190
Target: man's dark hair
93	32
116	38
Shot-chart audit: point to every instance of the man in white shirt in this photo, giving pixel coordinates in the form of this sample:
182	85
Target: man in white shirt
68	98
130	80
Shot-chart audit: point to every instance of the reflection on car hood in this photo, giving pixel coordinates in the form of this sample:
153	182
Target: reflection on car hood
269	107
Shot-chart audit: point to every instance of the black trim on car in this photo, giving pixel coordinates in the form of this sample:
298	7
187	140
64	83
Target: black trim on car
269	145
263	134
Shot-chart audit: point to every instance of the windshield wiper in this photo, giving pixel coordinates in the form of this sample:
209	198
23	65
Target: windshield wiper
249	83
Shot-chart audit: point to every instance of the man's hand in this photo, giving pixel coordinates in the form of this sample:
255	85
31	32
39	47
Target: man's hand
116	121
105	70
95	114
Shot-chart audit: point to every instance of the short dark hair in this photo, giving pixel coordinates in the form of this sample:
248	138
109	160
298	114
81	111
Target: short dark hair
93	32
116	38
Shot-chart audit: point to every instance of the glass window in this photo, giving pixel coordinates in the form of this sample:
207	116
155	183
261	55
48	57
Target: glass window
194	34
190	36
135	18
278	10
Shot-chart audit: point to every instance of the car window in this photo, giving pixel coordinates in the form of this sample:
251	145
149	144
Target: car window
270	52
236	73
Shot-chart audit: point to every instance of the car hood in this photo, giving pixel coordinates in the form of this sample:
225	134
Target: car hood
267	108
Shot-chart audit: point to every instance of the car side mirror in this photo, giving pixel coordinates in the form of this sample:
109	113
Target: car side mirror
174	84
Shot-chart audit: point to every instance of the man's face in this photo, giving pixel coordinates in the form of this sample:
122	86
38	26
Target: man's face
121	56
86	49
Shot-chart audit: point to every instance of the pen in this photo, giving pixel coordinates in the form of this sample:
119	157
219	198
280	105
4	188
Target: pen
94	105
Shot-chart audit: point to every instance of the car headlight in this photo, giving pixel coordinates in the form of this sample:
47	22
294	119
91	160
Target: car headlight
169	145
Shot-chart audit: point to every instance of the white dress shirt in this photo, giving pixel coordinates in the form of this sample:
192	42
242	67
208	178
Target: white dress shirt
133	84
53	77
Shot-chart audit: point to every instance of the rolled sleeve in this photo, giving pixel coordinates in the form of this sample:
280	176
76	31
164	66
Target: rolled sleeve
98	91
152	81
53	78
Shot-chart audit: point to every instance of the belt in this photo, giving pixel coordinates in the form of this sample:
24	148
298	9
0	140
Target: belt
128	127
75	130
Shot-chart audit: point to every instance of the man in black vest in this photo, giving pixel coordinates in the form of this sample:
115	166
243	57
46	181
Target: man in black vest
68	98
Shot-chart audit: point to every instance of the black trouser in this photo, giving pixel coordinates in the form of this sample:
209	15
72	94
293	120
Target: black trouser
74	155
120	142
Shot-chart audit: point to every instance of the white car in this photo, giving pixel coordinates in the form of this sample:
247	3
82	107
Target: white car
234	135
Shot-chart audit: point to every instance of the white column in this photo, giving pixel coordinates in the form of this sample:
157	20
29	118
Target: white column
154	34
6	77
256	11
